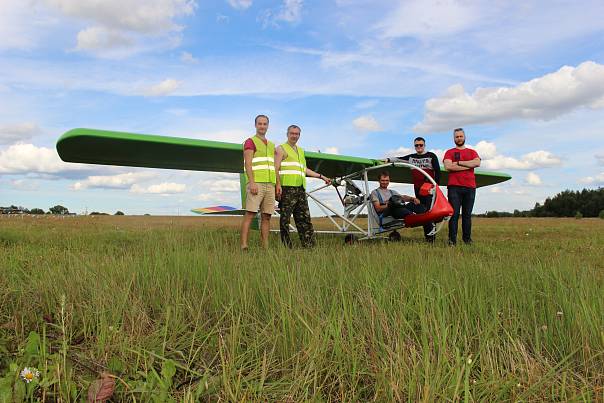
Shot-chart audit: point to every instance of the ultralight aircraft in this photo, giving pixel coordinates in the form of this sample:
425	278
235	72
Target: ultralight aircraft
352	173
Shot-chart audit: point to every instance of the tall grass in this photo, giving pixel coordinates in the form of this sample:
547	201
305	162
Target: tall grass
517	316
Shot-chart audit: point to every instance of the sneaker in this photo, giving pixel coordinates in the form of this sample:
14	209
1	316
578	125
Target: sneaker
451	243
468	242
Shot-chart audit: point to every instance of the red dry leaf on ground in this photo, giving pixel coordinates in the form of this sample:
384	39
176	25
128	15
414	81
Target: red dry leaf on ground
101	389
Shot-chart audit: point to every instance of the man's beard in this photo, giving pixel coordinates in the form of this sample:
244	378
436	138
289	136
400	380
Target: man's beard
462	142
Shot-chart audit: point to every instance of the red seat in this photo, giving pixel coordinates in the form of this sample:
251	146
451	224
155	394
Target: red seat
424	190
440	210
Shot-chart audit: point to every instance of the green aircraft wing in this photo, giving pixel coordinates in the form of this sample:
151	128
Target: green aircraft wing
144	150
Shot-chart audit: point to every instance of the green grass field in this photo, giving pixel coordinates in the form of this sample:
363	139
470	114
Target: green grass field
173	310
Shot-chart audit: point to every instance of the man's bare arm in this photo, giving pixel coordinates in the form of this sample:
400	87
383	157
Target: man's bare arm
411	199
378	207
248	155
309	172
475	163
454	166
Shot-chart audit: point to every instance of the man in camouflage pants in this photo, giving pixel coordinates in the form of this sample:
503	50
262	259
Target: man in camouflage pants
293	201
291	189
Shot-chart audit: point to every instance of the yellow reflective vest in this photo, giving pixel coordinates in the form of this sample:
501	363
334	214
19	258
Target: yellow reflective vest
263	161
293	168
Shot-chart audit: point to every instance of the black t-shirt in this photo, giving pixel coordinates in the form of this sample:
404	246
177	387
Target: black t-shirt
427	161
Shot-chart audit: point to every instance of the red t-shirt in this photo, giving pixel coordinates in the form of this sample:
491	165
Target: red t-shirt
249	144
461	178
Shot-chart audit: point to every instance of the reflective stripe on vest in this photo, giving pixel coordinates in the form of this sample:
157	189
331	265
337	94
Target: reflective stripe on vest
293	168
263	162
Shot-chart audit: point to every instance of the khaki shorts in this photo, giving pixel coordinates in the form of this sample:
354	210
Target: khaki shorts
263	201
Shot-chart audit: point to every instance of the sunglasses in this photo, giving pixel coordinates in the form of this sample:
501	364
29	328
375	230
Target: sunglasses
418	145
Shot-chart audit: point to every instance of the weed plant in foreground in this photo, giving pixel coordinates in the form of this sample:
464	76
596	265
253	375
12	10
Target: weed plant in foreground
160	309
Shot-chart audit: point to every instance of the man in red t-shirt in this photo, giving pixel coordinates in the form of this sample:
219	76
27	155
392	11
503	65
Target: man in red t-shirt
461	188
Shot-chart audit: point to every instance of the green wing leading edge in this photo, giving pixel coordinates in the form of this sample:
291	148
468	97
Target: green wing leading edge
143	150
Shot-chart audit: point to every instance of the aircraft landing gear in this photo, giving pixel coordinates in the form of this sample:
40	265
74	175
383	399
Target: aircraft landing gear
394	236
350	239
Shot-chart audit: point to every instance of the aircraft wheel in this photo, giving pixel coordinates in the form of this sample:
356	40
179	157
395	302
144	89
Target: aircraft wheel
394	236
350	239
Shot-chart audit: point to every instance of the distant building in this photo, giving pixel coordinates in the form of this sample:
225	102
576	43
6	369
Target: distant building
12	210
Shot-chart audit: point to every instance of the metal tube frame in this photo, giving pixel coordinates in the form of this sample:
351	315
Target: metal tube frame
347	222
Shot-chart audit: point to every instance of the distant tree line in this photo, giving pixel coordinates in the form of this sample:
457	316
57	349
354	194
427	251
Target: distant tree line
584	203
56	210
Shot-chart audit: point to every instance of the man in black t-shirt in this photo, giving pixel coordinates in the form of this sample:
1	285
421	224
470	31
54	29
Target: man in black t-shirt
428	161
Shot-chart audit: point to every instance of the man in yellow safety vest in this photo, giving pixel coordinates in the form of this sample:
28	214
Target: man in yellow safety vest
291	188
259	163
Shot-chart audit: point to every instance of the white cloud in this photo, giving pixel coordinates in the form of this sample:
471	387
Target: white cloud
600	158
240	4
117	28
485	149
538	159
144	16
366	123
218	185
285	75
27	158
120	181
380	62
544	98
18	132
542	159
221	185
25	184
593	180
14	33
164	188
492	160
332	150
164	88
399	152
205	197
428	18
219	198
478	24
187	57
290	12
533	179
101	38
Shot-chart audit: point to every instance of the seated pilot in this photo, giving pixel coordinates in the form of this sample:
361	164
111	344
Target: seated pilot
389	202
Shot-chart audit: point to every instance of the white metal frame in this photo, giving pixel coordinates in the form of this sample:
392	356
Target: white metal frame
363	203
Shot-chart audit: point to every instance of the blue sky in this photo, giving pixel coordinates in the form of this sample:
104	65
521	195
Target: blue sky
525	79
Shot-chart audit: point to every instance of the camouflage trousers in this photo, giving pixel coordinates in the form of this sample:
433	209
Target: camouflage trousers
294	201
